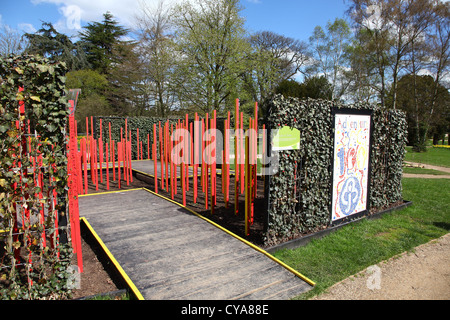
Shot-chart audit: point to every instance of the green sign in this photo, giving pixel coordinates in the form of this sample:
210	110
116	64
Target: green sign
286	138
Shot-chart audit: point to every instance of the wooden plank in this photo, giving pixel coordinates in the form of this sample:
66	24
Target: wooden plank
169	253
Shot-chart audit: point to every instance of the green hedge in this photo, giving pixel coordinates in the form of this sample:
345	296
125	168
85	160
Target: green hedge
145	125
293	214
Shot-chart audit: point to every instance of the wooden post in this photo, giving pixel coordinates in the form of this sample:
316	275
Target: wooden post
100	146
107	166
247	189
236	156
119	158
155	160
196	159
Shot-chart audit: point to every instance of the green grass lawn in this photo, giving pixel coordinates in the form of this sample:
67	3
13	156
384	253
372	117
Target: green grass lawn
355	247
433	156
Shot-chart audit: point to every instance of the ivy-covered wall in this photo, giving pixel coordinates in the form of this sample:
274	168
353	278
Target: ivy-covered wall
33	256
302	204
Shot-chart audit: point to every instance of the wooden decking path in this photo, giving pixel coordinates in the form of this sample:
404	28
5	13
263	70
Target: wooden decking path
170	253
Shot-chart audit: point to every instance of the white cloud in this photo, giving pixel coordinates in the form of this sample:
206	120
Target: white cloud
76	13
27	27
72	13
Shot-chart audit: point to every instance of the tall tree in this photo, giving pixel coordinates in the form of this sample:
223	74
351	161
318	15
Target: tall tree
438	41
211	48
329	47
11	41
274	58
157	52
390	28
362	75
49	43
111	55
102	42
425	110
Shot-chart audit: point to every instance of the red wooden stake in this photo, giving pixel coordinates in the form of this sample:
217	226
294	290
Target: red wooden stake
100	145
172	167
155	160
242	172
85	165
195	162
206	162
227	157
236	157
119	159
255	150
187	144
213	165
168	151
113	157
124	158
161	154
107	166
202	144
130	165
96	164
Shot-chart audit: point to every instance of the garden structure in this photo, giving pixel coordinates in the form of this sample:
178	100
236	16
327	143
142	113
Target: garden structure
297	188
310	165
38	222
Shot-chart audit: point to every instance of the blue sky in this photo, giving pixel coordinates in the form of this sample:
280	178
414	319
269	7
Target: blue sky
292	18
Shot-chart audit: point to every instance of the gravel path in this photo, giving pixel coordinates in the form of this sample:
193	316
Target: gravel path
427	176
423	274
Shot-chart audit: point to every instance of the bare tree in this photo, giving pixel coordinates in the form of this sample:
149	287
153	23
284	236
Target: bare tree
156	49
274	58
438	43
329	47
11	41
391	29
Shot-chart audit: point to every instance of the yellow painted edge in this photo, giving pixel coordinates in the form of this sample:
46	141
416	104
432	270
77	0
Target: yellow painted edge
108	192
113	260
295	272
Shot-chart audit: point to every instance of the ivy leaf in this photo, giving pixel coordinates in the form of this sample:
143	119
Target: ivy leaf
37	111
51	127
35	98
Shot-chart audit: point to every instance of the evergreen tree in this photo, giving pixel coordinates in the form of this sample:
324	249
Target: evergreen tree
102	43
313	87
56	46
116	59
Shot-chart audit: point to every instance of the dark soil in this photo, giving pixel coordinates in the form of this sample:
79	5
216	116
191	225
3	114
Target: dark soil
94	279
